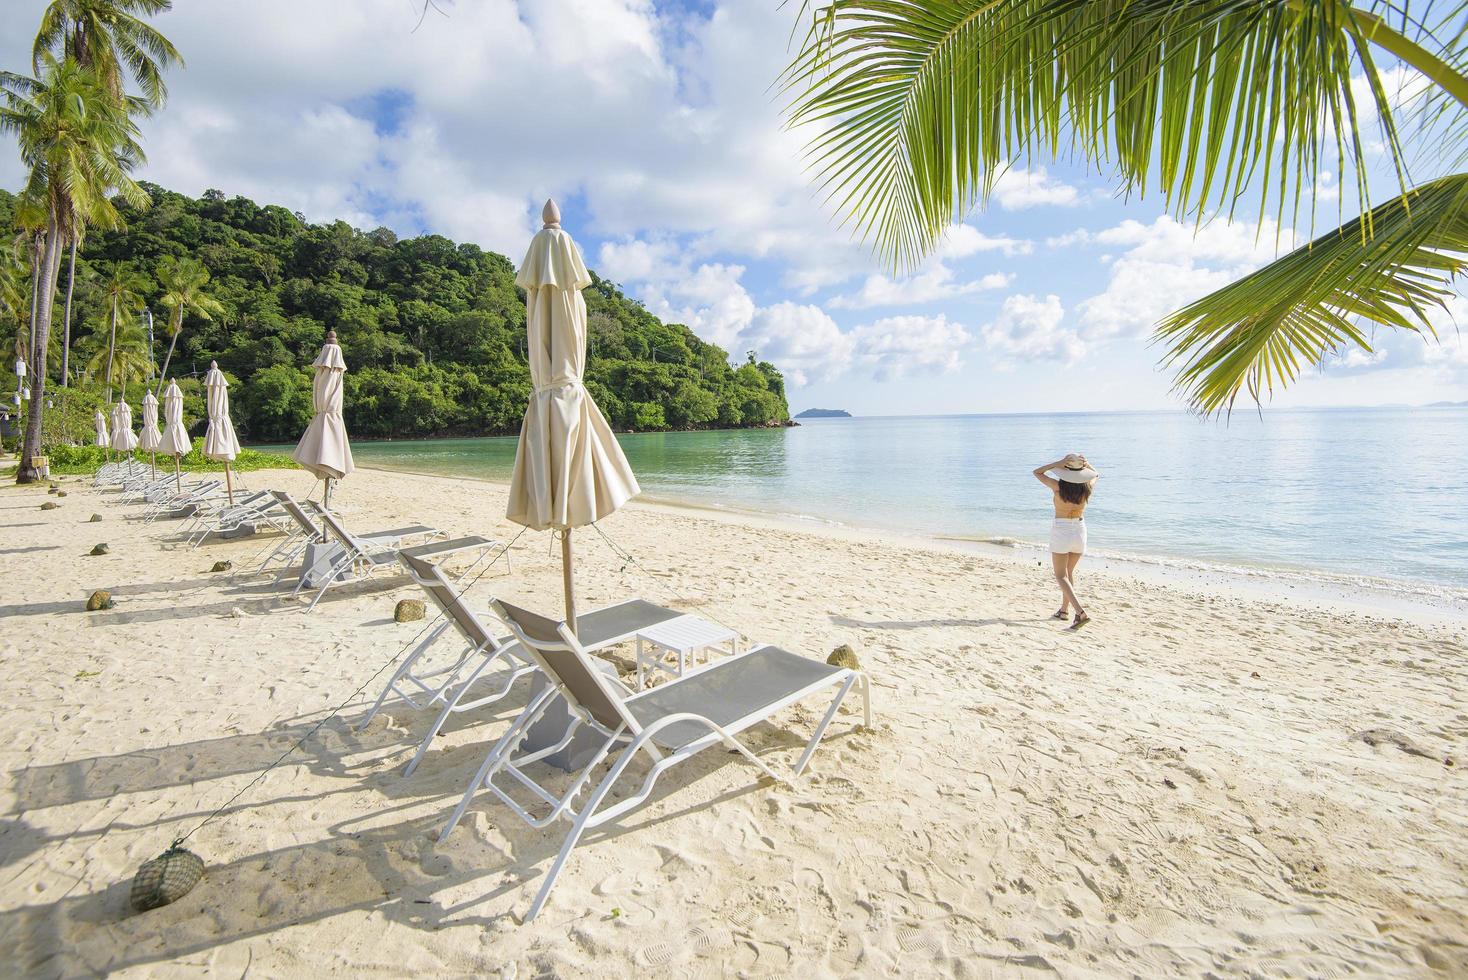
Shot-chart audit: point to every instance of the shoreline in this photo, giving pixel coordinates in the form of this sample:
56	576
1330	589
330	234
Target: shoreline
1416	602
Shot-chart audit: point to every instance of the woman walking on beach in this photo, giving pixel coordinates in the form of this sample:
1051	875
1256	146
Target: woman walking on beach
1069	480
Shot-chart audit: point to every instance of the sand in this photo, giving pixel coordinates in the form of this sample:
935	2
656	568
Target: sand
1182	788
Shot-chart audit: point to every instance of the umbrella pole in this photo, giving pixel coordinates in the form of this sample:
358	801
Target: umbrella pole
155	465
326	497
177	478
228	486
568	579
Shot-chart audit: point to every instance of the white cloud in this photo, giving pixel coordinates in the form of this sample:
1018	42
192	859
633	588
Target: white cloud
803	340
1029	328
1166	265
937	282
964	240
897	346
1016	189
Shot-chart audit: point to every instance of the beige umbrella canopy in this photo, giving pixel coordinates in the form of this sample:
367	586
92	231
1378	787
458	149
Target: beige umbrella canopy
569	470
123	440
151	439
324	448
104	438
175	441
219	441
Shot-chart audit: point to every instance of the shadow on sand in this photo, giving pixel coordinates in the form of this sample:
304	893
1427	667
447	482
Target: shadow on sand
385	862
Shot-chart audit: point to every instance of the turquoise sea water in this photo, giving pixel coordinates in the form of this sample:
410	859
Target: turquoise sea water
1381	493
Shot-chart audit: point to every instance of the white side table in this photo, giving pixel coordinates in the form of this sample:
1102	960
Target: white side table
684	638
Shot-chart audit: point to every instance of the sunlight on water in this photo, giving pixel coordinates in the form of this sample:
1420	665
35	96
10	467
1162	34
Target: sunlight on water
1375	492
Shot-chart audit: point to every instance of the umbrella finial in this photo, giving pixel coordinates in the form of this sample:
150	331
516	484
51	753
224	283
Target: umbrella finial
550	214
213	365
331	336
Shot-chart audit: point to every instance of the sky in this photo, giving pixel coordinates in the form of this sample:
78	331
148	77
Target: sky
656	127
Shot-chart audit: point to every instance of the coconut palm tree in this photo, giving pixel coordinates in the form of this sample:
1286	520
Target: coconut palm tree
918	105
123	291
119	351
183	282
15	299
80	143
109	37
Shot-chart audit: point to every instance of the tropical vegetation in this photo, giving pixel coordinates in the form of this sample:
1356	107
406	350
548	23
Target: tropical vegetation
433	330
917	106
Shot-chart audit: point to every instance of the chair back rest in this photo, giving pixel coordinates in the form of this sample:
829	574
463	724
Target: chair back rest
298	513
450	603
332	523
557	652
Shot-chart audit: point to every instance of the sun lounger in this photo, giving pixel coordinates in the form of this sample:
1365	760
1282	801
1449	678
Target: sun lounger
666	725
500	658
169	504
259	509
359	557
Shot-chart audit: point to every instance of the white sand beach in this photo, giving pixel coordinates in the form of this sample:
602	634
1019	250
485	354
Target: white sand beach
1183	788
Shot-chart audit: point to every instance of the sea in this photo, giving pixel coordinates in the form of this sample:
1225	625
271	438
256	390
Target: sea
1378	495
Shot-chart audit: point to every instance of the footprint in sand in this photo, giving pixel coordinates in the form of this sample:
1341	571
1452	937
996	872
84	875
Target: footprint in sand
915	939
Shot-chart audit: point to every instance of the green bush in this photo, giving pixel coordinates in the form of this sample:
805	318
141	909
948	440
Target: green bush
82	460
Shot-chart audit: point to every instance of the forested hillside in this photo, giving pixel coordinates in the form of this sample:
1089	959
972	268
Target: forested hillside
433	331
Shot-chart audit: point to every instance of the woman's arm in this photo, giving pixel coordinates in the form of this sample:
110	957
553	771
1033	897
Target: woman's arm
1049	481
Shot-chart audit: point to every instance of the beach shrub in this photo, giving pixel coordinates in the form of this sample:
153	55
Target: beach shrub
83	460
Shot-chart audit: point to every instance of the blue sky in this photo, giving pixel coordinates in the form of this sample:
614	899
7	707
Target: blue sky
655	128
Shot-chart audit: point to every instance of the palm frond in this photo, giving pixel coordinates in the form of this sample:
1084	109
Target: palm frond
1259	333
916	104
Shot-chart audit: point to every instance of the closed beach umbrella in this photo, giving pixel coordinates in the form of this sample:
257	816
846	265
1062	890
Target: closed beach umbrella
176	440
123	439
569	470
219	441
324	449
151	439
104	438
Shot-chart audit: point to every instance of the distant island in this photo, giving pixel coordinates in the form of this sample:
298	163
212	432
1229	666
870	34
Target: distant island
824	413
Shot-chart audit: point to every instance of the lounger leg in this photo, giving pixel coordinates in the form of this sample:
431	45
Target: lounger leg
815	739
572	839
579	826
403	668
448	708
497	756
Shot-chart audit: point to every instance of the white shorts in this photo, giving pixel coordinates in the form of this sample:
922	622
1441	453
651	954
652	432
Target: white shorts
1068	536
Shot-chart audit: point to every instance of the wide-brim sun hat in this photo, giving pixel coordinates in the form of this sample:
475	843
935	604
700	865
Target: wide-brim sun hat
1073	470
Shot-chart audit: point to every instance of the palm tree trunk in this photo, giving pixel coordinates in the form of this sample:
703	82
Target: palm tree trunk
50	267
66	330
111	344
35	294
168	357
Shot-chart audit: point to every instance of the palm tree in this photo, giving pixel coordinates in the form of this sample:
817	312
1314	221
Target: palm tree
105	35
120	350
79	142
123	290
108	36
183	282
919	104
15	299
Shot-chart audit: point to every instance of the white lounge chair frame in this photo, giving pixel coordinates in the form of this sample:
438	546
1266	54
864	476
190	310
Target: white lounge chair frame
448	685
360	557
604	707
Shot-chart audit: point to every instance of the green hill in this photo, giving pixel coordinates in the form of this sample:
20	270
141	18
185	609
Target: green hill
433	331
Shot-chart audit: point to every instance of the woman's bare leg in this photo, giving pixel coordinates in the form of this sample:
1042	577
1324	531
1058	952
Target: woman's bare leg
1061	564
1072	560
